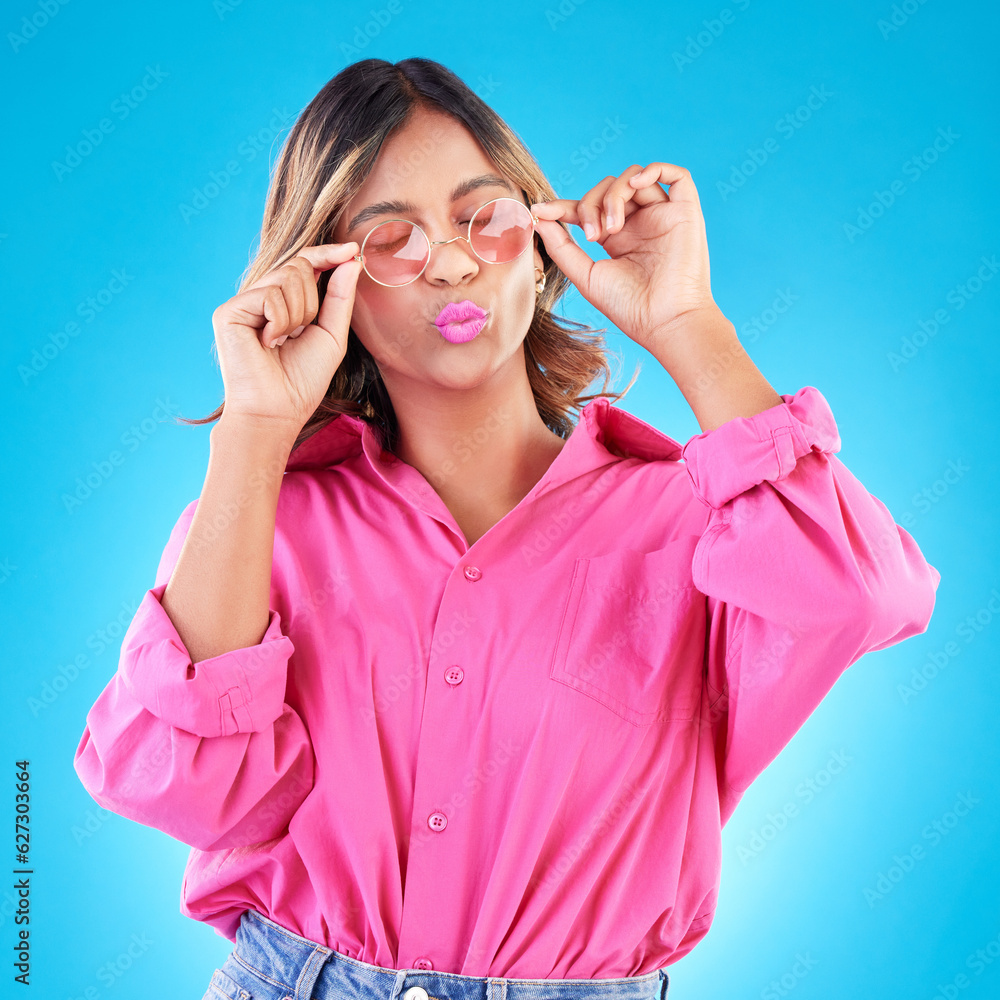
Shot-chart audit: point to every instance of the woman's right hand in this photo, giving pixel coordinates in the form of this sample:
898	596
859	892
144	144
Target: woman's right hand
276	362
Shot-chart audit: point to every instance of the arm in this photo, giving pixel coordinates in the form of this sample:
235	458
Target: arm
203	746
804	571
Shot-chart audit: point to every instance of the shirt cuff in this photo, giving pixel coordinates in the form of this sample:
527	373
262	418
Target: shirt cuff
746	451
240	691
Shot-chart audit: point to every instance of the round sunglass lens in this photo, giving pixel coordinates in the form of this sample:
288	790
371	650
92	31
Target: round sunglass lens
395	252
501	230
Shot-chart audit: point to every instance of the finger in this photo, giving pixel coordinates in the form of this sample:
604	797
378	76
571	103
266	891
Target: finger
338	302
589	210
616	197
679	180
321	258
563	209
298	279
571	259
327	255
292	282
647	191
569	211
260	310
308	300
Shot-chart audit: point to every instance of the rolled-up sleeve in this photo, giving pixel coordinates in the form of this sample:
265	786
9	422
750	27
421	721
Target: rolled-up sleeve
241	691
207	751
804	571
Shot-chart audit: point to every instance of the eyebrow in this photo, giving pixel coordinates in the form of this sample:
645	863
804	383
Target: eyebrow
467	186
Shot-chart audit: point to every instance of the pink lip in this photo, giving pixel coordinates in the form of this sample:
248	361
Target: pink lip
459	322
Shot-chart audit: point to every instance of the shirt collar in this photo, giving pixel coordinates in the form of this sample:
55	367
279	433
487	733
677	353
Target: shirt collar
601	430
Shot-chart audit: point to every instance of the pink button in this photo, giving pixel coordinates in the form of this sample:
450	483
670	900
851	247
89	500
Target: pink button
437	821
423	963
454	674
472	573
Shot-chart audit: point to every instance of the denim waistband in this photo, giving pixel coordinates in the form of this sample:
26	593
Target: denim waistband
291	967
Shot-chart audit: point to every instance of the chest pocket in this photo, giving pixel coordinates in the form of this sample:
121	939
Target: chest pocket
631	634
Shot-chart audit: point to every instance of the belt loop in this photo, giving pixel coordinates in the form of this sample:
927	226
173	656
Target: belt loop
310	972
397	986
496	989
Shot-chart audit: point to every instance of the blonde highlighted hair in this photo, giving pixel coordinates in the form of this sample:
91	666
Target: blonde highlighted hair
326	158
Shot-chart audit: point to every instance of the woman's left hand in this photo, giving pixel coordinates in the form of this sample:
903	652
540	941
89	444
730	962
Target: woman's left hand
658	267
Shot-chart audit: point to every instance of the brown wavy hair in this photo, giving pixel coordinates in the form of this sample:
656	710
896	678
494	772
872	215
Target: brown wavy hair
329	152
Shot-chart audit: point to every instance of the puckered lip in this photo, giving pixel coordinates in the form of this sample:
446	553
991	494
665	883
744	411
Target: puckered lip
459	312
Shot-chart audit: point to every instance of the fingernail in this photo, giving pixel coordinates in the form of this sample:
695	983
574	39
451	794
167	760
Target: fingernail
589	229
610	221
281	340
297	331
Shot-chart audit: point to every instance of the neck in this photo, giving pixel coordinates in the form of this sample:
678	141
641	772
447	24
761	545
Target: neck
481	448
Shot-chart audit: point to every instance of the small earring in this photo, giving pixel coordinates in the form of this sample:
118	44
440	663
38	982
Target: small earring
540	285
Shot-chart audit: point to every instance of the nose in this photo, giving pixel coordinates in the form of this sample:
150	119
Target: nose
449	267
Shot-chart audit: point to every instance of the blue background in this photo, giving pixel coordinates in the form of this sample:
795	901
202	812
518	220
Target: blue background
228	72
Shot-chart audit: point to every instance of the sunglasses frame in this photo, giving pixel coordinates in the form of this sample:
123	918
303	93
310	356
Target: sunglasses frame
433	243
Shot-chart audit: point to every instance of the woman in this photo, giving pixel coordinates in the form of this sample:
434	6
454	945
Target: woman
452	696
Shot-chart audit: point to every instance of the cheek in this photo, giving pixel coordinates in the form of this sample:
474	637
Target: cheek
519	306
386	323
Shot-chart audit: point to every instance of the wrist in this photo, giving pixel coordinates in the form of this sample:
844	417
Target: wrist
692	323
271	435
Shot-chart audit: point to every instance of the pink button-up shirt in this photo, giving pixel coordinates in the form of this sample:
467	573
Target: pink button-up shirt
515	758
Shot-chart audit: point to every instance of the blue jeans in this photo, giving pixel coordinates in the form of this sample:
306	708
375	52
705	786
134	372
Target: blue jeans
269	962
